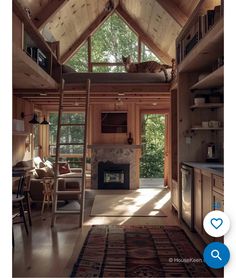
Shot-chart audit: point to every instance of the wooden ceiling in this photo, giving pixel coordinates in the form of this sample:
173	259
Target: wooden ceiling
71	21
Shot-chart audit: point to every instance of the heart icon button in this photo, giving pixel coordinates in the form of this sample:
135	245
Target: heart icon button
216	222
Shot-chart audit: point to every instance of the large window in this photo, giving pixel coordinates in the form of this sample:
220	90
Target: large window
69	134
113	40
104	49
79	62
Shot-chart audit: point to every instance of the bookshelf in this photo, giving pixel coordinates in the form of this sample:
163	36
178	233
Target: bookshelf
206	17
200	73
206	106
213	80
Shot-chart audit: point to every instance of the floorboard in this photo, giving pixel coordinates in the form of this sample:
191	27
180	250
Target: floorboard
47	252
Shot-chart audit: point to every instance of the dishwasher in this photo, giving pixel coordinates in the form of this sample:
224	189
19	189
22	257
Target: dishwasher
187	195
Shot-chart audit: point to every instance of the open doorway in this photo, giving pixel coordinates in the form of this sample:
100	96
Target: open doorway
153	161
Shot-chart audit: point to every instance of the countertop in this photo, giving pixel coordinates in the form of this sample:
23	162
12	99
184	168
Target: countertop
207	166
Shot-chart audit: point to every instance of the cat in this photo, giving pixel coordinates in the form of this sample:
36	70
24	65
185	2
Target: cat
149	66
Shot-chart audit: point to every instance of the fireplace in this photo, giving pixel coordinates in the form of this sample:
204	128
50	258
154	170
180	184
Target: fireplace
113	176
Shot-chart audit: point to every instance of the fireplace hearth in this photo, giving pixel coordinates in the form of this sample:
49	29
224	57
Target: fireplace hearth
113	176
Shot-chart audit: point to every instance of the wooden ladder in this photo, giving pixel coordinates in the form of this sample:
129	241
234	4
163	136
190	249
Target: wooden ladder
81	179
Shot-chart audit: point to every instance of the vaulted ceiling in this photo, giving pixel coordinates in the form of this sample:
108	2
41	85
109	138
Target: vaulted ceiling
158	22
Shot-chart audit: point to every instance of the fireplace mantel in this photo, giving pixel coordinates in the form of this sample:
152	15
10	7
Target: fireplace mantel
113	146
117	154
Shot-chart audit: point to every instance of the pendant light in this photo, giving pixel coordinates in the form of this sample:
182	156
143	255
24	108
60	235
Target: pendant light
34	120
44	122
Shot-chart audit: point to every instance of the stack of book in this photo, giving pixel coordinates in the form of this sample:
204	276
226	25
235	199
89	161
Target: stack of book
197	31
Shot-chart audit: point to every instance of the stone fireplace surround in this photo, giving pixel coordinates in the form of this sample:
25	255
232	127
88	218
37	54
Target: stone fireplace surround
116	153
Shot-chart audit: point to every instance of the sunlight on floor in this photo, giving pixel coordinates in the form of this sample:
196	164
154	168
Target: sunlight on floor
160	204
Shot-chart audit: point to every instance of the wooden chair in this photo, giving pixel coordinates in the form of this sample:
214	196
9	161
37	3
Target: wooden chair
17	200
27	196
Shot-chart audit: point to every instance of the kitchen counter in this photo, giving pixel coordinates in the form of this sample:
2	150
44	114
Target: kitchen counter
214	168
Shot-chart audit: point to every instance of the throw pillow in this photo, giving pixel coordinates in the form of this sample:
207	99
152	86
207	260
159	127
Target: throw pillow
48	164
22	164
44	172
64	168
37	162
41	165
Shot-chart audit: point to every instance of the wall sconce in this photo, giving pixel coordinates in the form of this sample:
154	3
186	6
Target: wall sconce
34	120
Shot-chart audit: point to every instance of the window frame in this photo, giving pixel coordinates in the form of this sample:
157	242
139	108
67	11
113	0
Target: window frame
92	64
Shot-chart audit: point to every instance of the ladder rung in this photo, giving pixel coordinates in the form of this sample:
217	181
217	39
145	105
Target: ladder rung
67	212
73	106
77	176
68	192
72	124
71	144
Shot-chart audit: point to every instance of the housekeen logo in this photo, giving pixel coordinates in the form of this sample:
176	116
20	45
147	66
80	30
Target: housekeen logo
185	260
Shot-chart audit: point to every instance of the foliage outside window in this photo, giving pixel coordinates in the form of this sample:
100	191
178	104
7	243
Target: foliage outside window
108	69
112	40
153	144
147	54
79	62
69	134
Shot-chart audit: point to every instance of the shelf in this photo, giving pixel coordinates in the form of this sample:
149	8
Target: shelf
213	80
206	52
31	29
207	106
27	74
20	133
207	128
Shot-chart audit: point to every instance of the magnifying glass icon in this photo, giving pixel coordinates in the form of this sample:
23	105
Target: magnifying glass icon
216	254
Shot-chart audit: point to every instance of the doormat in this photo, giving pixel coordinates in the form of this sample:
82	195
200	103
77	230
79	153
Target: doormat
123	205
139	251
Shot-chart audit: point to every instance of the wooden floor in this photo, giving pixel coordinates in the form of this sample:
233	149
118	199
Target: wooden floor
47	252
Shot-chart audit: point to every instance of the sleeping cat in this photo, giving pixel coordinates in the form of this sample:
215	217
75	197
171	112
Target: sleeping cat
150	66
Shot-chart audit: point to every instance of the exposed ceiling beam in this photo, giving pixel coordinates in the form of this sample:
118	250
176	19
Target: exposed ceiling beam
42	18
164	57
174	11
87	32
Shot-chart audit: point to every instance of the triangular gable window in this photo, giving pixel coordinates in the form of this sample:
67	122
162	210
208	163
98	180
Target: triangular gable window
112	40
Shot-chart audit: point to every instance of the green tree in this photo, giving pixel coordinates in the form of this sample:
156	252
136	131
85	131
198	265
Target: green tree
69	134
153	143
112	40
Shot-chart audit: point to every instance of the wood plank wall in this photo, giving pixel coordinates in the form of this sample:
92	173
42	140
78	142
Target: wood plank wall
134	126
19	150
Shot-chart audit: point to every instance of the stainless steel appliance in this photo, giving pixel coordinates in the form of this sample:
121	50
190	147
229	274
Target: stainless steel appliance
187	195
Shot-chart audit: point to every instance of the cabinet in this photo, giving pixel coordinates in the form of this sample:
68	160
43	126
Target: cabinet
208	194
218	192
206	199
197	201
200	72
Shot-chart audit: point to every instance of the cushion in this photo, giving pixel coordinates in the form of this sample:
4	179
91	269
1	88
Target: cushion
22	164
44	172
48	164
34	174
64	168
37	162
41	165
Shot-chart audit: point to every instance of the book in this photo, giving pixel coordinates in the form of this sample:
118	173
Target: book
217	11
210	19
